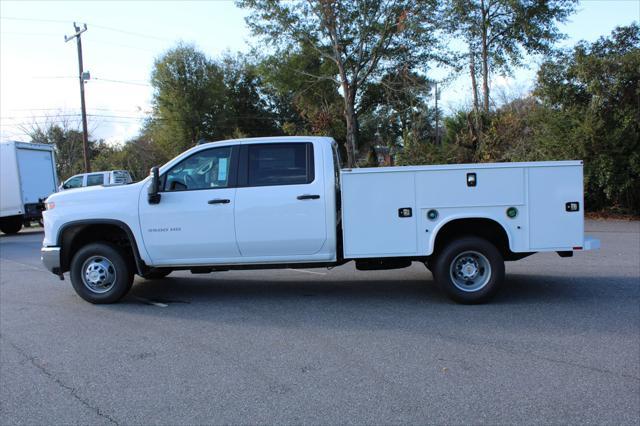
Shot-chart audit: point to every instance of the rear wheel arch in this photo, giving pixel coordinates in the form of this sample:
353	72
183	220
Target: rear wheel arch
74	235
481	227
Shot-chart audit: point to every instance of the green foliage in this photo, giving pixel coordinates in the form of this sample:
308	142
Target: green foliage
586	103
364	39
198	98
372	158
303	93
188	98
586	106
598	86
395	110
137	156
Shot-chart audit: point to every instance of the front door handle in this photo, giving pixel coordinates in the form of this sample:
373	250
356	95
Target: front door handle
219	201
308	197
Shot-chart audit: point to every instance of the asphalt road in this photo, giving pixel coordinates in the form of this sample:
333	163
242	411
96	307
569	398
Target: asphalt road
560	344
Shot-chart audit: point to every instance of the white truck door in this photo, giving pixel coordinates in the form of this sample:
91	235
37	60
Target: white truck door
280	206
37	174
193	223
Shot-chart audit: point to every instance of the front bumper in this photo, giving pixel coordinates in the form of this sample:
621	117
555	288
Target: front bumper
51	259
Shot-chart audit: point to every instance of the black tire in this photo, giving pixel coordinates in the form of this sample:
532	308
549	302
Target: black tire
156	274
482	257
11	225
101	253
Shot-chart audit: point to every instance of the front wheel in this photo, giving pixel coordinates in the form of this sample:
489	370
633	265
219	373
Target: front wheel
100	273
469	270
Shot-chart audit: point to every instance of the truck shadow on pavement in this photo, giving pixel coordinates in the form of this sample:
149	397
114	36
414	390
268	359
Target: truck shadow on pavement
526	304
517	290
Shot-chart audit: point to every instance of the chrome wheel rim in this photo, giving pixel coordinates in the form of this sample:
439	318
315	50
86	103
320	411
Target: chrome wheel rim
98	274
470	271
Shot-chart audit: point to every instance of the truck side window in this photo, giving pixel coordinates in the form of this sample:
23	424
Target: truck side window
96	179
281	164
74	182
203	170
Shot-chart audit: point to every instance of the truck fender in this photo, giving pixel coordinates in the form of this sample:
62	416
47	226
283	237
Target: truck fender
70	226
466	216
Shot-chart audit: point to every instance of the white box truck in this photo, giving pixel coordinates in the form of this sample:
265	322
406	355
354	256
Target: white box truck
27	177
283	202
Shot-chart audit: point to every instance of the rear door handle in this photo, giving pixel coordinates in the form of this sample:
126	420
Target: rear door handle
219	201
308	197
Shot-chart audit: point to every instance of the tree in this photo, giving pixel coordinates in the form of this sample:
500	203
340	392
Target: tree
136	156
499	32
244	108
395	109
597	86
362	39
302	102
188	89
196	98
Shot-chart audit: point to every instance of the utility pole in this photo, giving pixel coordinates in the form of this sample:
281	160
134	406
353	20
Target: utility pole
85	134
437	130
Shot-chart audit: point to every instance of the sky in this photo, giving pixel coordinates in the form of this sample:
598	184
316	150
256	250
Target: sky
39	71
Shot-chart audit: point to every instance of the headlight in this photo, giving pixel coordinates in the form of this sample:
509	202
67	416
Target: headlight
50	205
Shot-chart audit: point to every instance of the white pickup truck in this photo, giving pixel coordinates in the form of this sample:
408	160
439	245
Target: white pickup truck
283	202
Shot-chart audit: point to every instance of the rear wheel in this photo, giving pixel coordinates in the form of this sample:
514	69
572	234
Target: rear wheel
100	273
469	270
11	225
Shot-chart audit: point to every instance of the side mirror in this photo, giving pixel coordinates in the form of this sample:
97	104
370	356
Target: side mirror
154	188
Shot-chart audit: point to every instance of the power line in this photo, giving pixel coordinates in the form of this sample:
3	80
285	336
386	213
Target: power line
27	34
108	80
104	27
63	109
130	117
123	46
39	77
121	82
131	33
15	18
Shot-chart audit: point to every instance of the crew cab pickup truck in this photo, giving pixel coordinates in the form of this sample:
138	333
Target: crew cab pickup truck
284	202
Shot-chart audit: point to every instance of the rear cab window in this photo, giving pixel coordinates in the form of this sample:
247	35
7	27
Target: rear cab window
120	176
95	179
280	164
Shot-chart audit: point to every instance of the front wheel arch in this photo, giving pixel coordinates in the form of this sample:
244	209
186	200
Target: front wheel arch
74	235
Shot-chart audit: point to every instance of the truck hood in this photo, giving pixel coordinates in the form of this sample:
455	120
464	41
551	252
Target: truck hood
97	193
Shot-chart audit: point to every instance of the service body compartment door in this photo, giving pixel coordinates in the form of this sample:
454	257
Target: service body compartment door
552	224
375	222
